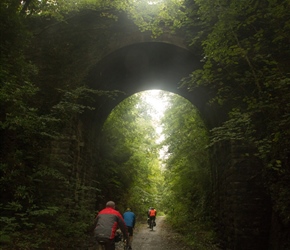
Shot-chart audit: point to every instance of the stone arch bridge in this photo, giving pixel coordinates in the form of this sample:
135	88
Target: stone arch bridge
120	57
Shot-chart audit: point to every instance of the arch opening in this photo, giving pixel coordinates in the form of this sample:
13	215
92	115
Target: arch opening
130	152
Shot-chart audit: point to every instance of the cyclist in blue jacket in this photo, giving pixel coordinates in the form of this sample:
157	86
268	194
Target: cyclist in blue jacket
130	219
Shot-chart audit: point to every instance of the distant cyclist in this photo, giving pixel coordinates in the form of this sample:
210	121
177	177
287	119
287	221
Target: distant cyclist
152	214
130	219
107	222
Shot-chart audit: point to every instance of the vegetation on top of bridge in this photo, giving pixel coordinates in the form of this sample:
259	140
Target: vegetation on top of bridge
246	54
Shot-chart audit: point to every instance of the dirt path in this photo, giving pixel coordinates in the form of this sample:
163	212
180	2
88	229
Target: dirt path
161	238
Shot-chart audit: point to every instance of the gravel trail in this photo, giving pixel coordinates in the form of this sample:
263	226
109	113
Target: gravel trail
161	238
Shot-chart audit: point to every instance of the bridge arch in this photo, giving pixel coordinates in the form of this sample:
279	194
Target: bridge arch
131	61
144	66
158	65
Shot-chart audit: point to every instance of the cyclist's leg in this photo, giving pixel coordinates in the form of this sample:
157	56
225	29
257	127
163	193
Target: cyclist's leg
110	245
101	246
126	245
130	239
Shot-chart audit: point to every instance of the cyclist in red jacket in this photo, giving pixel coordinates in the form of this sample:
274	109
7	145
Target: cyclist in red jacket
107	222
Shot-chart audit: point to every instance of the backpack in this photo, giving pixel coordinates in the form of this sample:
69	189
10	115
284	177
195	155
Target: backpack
101	238
152	212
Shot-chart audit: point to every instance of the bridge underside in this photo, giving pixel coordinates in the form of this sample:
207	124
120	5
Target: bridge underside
146	66
151	65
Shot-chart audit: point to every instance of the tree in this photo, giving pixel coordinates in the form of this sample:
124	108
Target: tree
130	157
245	49
39	197
187	172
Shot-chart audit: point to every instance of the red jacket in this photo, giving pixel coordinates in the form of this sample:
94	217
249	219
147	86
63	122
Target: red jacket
107	222
152	212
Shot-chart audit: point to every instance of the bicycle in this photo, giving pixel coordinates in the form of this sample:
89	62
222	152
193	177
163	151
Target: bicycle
120	244
123	246
152	224
148	221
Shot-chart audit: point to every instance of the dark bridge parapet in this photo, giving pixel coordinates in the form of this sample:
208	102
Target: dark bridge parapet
126	33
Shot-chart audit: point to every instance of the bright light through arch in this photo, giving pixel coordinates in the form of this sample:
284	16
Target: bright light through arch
158	102
154	2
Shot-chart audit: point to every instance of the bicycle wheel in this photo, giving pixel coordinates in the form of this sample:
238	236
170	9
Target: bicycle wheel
101	247
126	246
151	224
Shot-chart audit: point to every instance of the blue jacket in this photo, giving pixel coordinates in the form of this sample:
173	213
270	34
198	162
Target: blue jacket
129	218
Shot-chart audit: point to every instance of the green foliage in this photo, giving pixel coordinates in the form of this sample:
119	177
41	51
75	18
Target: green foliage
187	174
245	53
130	156
41	203
77	101
21	127
245	50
